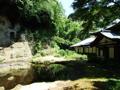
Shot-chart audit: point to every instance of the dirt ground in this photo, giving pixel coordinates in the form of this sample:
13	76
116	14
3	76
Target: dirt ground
82	84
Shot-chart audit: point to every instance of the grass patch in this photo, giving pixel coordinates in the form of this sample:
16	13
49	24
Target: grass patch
59	53
72	55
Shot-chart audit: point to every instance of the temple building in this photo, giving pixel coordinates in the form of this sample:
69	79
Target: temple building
104	44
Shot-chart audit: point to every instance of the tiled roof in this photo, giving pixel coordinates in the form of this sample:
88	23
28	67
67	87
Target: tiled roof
85	42
113	24
111	35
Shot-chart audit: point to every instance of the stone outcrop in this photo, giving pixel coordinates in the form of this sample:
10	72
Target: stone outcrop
15	53
15	67
15	73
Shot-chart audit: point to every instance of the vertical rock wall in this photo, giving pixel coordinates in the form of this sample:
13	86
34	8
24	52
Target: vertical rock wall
15	66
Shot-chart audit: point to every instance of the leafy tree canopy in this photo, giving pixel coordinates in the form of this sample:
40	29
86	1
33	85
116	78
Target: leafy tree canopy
38	13
33	14
44	20
95	13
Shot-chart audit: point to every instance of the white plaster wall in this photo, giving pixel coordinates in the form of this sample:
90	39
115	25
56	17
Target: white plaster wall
94	49
90	50
86	50
81	49
101	53
111	52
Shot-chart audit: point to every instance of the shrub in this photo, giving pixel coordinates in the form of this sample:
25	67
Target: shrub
42	72
53	71
62	52
68	54
57	70
113	85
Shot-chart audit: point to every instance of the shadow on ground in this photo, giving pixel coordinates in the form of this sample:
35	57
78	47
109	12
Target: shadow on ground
73	70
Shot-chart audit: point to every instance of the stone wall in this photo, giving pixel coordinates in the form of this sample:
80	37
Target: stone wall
15	57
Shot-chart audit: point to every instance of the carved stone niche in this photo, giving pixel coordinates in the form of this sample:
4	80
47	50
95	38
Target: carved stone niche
7	34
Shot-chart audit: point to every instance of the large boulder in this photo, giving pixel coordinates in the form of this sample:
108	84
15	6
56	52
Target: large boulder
16	67
15	73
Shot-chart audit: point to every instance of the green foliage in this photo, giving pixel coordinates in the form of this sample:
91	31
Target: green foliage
43	72
66	35
72	55
113	85
36	14
57	69
95	13
117	86
47	24
50	72
73	70
68	32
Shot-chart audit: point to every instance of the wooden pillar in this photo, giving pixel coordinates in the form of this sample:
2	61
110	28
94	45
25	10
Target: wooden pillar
111	52
83	50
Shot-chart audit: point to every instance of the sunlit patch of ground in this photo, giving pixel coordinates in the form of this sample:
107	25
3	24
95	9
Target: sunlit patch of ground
49	58
81	84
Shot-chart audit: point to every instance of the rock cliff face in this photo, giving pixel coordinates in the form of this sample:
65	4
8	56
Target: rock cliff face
15	73
11	48
19	51
15	67
15	56
8	32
